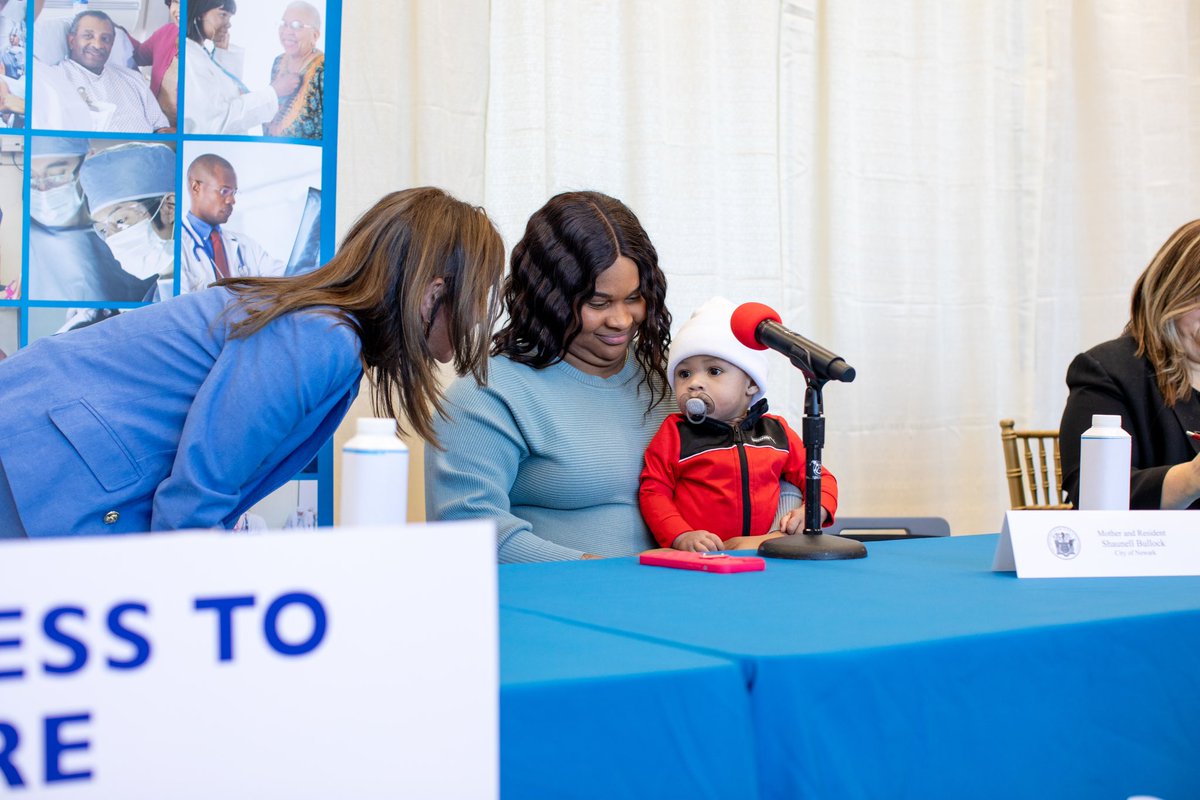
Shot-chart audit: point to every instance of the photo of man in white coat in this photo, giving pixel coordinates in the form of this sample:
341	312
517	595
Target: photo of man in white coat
210	250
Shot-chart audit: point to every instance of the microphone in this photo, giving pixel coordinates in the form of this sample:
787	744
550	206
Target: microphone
758	327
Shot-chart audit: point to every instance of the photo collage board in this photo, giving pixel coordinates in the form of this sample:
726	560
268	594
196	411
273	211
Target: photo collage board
151	147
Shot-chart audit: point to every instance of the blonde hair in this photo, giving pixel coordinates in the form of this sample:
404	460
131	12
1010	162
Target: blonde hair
1166	290
376	283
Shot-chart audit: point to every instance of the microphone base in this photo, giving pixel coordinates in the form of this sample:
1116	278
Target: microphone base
812	547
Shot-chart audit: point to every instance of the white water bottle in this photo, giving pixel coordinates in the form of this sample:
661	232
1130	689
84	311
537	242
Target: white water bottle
1104	464
374	475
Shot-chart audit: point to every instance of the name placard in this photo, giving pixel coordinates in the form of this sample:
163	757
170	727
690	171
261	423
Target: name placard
331	663
1099	544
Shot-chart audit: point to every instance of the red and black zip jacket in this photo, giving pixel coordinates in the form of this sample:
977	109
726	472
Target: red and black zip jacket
716	477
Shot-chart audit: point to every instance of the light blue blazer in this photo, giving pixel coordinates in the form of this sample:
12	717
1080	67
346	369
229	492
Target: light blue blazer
156	420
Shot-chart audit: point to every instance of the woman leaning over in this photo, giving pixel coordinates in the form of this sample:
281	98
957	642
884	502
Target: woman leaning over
552	447
185	413
1149	376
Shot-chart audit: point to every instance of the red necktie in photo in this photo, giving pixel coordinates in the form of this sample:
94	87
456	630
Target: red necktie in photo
220	262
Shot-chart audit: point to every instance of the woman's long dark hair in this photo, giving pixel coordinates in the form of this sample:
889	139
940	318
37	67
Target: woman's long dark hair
567	244
196	9
376	284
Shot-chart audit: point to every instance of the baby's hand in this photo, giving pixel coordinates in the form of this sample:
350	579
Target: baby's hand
793	521
698	542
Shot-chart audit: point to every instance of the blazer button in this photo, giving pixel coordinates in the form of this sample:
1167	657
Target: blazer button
111	517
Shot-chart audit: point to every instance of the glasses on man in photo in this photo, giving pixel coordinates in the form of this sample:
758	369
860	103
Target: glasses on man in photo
226	192
295	25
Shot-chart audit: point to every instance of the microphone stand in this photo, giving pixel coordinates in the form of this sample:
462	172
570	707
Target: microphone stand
812	545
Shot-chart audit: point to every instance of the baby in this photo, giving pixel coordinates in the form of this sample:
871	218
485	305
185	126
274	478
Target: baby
712	471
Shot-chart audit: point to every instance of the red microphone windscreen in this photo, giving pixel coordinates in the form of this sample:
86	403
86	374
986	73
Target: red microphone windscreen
746	319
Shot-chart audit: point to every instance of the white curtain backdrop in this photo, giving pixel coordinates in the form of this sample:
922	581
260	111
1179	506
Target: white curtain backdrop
956	197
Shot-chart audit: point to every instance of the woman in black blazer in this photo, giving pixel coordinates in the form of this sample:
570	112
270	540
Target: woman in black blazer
1150	376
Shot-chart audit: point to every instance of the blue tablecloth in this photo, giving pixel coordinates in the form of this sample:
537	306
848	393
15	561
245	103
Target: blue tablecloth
590	714
918	672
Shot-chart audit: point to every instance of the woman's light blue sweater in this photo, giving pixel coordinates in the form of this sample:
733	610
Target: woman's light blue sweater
552	455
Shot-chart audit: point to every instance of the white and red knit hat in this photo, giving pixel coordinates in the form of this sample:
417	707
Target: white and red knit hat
707	333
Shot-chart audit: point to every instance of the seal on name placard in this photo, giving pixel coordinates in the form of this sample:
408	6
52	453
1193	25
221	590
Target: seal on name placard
1063	542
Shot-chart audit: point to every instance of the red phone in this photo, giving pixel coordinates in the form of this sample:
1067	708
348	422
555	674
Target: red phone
705	562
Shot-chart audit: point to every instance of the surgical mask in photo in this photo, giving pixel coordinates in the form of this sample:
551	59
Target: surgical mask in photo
140	251
56	207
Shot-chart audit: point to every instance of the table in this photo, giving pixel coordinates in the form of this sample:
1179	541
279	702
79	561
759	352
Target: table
918	672
579	706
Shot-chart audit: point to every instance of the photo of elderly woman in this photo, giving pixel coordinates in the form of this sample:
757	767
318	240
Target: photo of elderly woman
254	68
301	114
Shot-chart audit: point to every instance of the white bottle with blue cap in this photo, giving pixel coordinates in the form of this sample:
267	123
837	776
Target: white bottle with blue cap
1105	459
374	475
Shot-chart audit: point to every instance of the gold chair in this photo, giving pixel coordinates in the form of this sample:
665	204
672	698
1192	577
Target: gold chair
1034	468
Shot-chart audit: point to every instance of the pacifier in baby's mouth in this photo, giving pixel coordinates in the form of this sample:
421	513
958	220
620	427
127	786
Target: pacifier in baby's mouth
696	410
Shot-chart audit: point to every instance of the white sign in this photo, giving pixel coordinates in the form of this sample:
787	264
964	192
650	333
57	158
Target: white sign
1099	544
325	664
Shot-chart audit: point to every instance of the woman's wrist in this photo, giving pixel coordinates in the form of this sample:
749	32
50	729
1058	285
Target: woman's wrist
1193	480
1181	485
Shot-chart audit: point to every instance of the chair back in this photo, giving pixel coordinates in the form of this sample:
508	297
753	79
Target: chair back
1033	468
860	528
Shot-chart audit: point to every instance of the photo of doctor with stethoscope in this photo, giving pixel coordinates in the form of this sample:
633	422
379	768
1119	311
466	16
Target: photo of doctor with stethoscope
272	203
